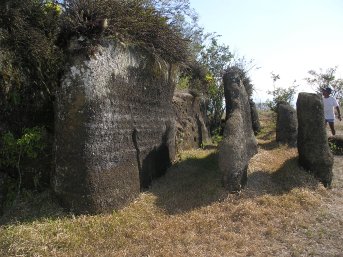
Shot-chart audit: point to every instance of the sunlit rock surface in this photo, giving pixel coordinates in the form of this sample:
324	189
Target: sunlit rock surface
114	127
239	143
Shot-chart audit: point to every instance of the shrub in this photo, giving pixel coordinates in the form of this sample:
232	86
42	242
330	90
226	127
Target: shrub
30	145
281	95
132	22
31	64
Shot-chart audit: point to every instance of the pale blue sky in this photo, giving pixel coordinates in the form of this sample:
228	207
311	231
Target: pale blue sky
287	37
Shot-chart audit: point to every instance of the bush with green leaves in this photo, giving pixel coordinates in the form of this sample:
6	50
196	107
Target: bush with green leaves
28	146
281	95
30	64
216	58
328	78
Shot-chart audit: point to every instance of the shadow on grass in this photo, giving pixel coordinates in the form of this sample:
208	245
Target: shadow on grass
190	184
195	183
31	207
288	177
291	176
267	136
210	147
269	145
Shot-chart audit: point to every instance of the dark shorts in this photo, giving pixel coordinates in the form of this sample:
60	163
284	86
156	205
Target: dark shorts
330	120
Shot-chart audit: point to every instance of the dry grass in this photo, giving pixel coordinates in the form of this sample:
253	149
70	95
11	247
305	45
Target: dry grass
339	127
282	212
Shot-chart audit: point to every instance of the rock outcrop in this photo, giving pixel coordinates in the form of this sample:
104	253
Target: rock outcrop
114	127
313	146
286	125
191	130
239	143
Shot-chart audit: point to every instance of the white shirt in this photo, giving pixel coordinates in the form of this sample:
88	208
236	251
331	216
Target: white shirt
329	107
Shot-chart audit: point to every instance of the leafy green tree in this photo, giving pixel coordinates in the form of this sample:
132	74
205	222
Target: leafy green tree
28	146
280	95
30	61
322	79
216	58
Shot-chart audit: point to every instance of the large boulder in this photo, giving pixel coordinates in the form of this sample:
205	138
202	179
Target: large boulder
313	146
239	143
286	125
114	127
190	121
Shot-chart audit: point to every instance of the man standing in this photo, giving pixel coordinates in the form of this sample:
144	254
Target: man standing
330	104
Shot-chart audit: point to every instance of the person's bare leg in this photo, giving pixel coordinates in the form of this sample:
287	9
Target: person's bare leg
332	127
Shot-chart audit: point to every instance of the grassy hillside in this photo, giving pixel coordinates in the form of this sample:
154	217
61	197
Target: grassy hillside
282	212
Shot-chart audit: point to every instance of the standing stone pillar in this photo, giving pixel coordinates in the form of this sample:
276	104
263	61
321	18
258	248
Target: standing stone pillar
256	125
313	146
114	127
239	143
286	125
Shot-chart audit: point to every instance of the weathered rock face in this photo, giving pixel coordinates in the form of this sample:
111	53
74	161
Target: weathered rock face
313	147
256	126
286	125
190	124
115	128
238	144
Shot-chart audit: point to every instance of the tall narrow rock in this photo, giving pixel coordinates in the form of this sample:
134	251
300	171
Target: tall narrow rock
239	143
255	120
286	125
313	146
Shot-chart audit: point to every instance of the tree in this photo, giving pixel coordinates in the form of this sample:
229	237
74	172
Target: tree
322	79
244	66
280	95
216	58
275	77
30	61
